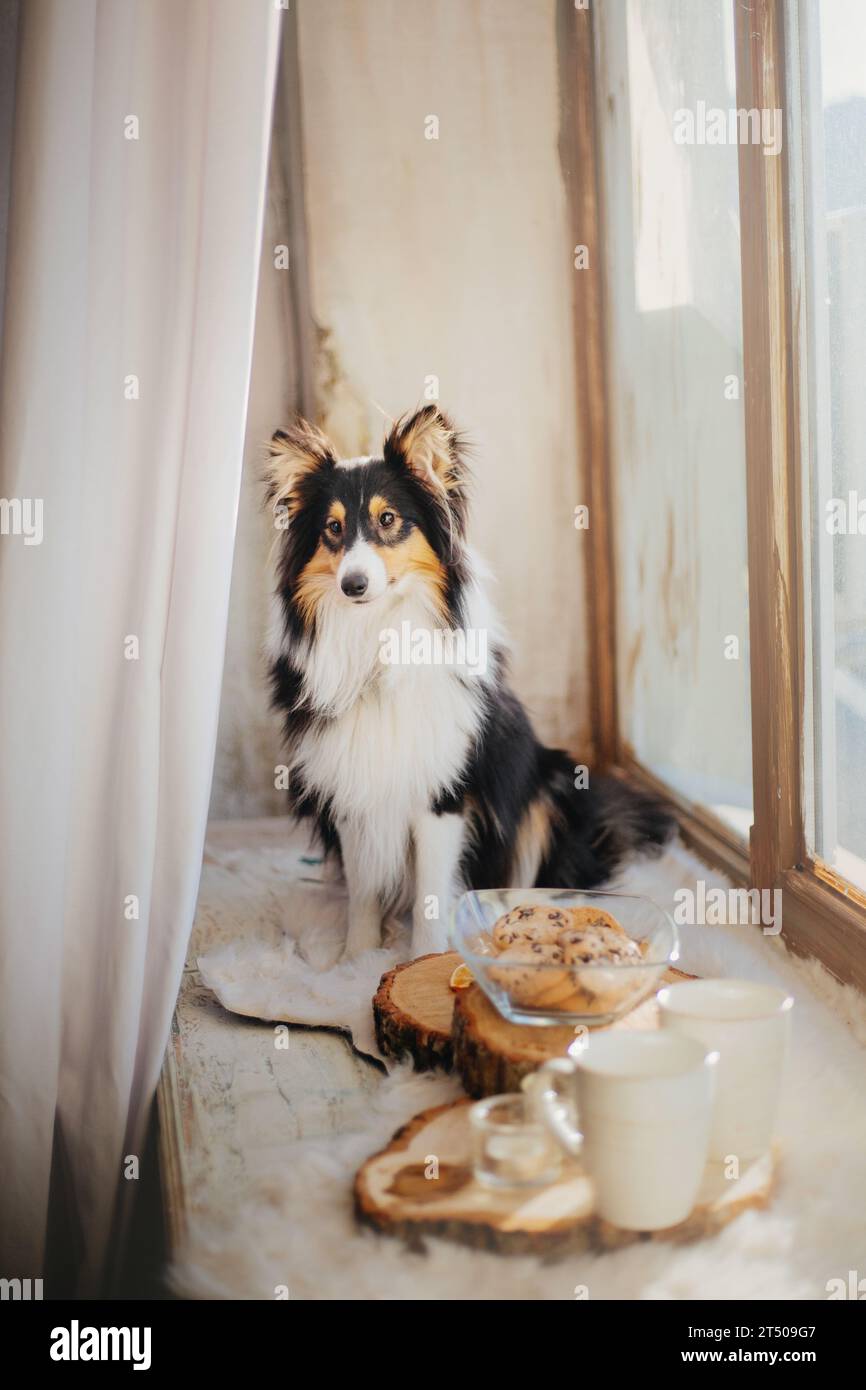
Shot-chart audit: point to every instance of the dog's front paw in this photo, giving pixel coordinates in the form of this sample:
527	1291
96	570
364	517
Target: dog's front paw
364	934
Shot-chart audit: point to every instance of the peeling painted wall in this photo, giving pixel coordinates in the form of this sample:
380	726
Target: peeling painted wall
448	257
452	257
248	740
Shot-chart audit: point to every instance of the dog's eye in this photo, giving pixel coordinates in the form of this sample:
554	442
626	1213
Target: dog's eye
386	519
334	527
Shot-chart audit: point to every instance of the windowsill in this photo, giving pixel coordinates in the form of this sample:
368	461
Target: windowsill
850	866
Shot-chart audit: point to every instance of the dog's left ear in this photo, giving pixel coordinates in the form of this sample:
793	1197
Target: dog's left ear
428	444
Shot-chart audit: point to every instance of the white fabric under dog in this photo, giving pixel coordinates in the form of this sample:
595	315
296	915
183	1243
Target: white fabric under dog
274	940
285	964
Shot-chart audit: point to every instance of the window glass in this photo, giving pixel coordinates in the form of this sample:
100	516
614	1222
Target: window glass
666	87
832	186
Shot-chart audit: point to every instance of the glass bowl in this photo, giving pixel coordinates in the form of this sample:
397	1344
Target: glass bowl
546	993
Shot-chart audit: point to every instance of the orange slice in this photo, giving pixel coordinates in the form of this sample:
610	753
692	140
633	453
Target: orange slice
461	977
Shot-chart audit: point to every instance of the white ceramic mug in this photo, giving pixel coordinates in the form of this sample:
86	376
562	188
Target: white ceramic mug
748	1025
636	1108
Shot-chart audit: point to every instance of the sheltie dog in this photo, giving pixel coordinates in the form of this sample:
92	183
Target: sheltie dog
420	772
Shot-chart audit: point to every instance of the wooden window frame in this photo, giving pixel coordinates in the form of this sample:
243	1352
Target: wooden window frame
823	914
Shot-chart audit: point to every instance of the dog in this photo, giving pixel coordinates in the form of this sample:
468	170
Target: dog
422	777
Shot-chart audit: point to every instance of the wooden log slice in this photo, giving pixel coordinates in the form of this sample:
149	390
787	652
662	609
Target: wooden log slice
422	1185
492	1055
412	1009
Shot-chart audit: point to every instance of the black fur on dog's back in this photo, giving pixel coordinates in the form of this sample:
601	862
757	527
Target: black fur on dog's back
596	827
587	830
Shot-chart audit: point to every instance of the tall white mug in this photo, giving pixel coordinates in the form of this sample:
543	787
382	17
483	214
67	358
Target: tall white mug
748	1025
636	1108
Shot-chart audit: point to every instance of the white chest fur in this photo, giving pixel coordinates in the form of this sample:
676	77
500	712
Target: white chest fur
400	744
390	738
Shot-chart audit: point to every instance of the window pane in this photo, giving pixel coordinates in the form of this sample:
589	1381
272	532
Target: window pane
675	362
832	42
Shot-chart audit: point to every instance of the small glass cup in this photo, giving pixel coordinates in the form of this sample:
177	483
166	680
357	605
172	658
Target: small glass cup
511	1147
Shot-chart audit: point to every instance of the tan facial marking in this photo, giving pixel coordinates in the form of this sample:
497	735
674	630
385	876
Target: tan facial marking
378	505
416	554
316	580
337	512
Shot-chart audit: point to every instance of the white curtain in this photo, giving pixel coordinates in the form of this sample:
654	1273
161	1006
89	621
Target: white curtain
140	155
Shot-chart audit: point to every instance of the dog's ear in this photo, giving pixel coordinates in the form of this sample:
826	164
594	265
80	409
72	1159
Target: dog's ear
294	454
428	444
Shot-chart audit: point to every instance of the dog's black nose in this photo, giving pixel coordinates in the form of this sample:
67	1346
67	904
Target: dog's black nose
354	585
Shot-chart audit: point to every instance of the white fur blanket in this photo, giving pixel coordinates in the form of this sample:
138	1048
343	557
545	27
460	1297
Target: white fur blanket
270	951
284	965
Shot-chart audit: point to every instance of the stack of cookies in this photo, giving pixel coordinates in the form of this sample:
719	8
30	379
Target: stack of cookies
562	940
